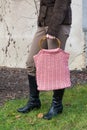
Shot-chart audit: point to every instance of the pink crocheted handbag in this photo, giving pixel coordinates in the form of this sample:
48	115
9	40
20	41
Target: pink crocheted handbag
52	71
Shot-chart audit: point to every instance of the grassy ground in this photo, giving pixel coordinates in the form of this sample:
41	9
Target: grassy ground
74	116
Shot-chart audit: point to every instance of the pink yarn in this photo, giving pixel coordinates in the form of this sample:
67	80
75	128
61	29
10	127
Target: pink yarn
52	71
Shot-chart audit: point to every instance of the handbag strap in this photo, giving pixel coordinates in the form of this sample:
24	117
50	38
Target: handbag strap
45	38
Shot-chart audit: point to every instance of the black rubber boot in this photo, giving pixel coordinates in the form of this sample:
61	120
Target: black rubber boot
34	101
56	106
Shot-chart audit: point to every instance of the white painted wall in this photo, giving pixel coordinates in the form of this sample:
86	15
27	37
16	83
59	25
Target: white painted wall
75	44
18	22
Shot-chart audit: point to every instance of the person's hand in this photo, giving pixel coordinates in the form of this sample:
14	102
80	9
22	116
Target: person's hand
50	36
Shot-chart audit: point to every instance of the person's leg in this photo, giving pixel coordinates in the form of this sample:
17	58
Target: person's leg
57	106
34	101
35	48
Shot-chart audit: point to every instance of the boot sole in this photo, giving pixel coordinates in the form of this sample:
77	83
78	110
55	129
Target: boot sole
50	117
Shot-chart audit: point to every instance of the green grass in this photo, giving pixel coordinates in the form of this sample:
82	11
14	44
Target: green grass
74	116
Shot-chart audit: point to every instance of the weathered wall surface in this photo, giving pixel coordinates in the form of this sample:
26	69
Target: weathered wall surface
84	24
17	28
75	44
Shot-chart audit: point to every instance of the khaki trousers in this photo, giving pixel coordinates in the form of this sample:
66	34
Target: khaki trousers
48	44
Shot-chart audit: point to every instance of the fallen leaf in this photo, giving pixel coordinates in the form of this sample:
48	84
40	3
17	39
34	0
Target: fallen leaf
40	115
18	116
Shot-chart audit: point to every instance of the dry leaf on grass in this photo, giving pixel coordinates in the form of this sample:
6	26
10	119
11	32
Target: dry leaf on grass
18	116
40	115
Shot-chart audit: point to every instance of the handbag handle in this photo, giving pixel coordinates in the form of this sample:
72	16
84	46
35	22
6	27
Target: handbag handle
44	38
